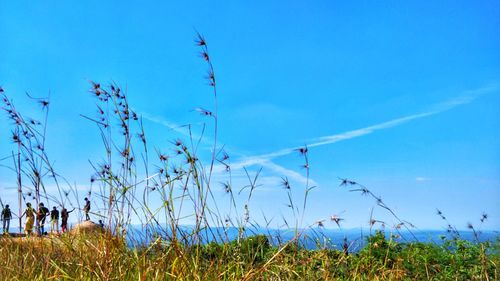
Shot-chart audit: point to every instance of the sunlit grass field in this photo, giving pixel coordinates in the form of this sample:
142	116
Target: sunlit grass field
105	257
133	175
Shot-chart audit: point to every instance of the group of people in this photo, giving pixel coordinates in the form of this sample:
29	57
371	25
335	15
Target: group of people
41	215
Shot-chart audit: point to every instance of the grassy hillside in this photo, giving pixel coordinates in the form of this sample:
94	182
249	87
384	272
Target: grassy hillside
139	183
105	257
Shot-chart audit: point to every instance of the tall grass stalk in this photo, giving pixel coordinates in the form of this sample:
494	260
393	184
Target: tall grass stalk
163	188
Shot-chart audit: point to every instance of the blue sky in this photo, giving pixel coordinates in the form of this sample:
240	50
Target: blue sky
413	88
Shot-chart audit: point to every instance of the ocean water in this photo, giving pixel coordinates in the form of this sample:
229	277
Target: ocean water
313	238
355	239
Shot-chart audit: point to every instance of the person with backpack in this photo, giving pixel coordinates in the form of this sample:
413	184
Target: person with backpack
6	217
64	219
41	215
54	219
86	208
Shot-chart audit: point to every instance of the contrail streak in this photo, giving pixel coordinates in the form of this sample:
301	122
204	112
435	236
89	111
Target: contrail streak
265	159
465	98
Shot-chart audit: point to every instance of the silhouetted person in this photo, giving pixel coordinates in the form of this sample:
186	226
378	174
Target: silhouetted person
86	208
345	247
6	217
64	219
30	217
41	215
101	224
54	219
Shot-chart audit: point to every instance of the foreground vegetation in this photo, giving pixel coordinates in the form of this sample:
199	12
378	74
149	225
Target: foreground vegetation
178	187
105	257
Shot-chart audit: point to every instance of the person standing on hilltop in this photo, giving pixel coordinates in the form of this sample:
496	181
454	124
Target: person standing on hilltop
6	217
30	217
41	215
54	219
86	208
64	219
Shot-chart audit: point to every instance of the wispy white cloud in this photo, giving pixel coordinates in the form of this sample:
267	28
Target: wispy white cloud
265	160
421	179
220	169
185	130
465	98
290	174
162	121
